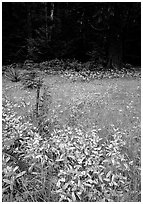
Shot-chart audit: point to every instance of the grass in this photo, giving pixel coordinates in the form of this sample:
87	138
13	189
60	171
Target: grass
108	105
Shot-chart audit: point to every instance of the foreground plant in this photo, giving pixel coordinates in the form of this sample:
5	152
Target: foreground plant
12	74
70	165
91	169
32	79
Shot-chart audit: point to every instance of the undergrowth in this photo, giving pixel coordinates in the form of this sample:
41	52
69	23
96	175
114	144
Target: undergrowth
12	74
45	161
65	164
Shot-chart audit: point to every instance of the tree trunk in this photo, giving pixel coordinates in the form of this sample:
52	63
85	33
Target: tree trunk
46	21
115	46
52	18
115	53
29	32
82	30
29	21
52	11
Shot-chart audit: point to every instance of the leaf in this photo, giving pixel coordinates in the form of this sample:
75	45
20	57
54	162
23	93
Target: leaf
100	178
62	179
58	184
11	186
61	146
61	198
65	186
7	159
60	159
7	181
108	174
20	174
87	184
35	173
90	181
17	167
31	168
115	184
86	152
106	179
4	189
73	196
79	183
126	166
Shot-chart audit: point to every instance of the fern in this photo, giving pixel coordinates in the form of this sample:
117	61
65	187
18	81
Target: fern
13	74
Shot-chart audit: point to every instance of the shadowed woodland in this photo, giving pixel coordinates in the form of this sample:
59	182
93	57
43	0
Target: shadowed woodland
108	33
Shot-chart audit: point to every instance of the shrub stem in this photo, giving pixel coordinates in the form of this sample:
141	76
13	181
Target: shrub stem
37	101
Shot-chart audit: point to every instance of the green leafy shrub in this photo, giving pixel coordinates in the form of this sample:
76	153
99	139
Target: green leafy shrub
12	74
74	65
4	68
32	80
18	179
28	65
74	70
56	65
91	170
52	66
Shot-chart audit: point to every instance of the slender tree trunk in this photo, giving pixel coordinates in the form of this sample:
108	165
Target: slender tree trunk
115	52
29	31
58	14
83	30
46	21
29	21
115	48
52	18
37	101
52	11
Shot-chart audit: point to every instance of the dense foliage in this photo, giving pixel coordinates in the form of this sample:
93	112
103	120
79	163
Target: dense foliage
69	165
12	74
71	69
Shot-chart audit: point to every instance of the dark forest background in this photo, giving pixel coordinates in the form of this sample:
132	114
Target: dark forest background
107	33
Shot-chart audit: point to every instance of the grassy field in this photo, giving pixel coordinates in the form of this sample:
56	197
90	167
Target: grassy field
101	102
108	105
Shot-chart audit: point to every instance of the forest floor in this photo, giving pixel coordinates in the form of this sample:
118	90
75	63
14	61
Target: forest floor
108	104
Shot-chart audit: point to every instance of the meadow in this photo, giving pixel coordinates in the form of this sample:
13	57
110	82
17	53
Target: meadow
85	145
